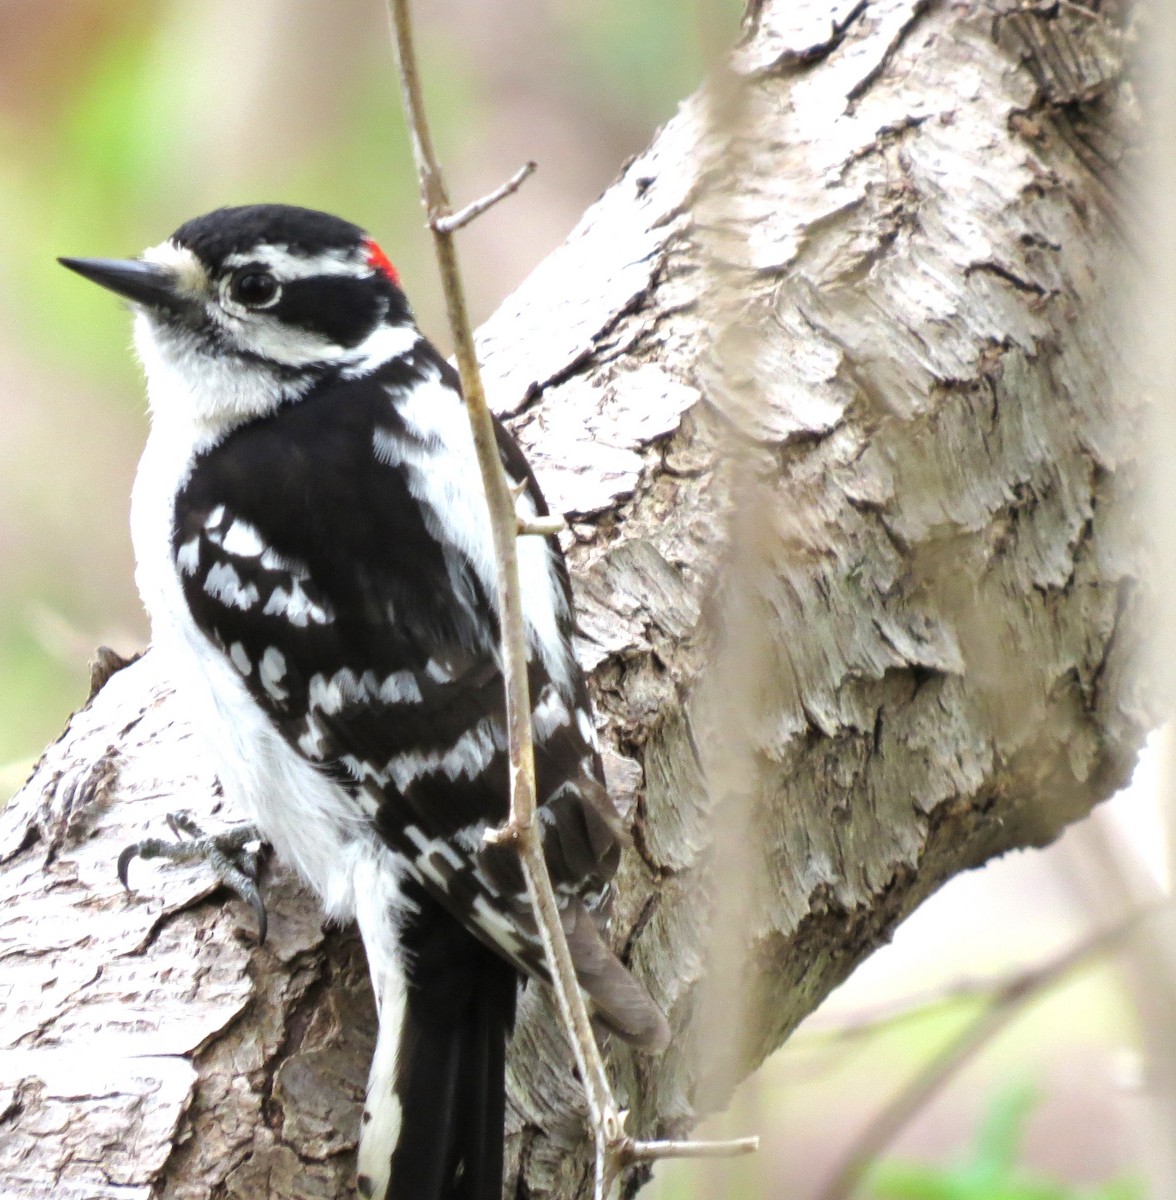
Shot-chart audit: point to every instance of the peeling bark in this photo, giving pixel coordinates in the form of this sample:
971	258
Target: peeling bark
829	384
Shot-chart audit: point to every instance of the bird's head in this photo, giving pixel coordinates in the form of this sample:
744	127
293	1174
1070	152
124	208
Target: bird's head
244	308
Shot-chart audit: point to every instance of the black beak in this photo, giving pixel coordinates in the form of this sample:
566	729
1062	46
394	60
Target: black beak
141	282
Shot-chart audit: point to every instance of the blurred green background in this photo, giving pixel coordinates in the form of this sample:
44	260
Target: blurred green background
119	119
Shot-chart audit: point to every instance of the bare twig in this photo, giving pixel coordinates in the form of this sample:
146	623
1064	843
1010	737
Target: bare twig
875	1019
541	526
607	1123
521	828
464	216
1006	1002
636	1152
614	1149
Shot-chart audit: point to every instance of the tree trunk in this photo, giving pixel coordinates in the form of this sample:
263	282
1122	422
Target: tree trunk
829	384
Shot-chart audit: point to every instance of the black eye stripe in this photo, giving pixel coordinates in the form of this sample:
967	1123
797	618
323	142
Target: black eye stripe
341	309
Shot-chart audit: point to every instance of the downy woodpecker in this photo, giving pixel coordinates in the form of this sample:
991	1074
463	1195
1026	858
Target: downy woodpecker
313	548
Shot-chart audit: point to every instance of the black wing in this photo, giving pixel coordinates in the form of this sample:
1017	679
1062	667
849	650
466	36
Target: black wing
369	638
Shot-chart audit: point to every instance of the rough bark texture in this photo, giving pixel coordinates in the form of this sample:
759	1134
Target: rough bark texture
828	380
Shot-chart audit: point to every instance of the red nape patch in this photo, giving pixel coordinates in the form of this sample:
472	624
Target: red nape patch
379	261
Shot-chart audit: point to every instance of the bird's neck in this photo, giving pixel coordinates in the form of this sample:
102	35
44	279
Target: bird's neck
202	396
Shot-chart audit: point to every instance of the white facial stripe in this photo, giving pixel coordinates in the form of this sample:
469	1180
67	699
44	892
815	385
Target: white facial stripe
261	333
293	346
288	265
194	387
385	342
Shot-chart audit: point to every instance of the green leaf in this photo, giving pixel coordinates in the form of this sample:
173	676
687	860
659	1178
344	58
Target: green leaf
993	1171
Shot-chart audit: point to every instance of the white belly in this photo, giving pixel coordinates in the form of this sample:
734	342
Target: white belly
314	826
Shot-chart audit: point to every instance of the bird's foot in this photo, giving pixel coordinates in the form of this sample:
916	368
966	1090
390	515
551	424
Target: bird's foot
228	854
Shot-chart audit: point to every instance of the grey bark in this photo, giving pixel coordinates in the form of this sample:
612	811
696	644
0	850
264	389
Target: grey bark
829	381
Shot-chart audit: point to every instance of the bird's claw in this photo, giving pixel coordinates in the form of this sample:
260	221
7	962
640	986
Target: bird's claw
234	865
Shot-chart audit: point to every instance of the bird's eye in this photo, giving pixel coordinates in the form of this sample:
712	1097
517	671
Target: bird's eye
254	288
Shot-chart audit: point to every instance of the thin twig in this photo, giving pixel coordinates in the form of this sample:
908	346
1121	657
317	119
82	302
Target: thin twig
865	1023
521	828
1006	1003
651	1151
614	1149
541	526
464	216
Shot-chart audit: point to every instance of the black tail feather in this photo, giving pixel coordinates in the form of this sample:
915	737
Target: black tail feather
450	1080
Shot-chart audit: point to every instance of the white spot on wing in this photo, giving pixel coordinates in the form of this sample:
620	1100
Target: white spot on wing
550	712
275	606
224	584
273	561
497	924
188	556
451	856
310	741
240	659
438	672
243	540
468	756
426	868
400	687
296	606
357	767
271	671
324	694
418	839
345	687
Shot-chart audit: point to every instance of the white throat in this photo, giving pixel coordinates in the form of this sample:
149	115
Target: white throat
204	393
